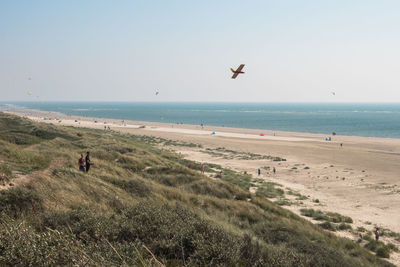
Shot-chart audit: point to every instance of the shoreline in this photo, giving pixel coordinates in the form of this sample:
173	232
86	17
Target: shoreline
19	110
207	129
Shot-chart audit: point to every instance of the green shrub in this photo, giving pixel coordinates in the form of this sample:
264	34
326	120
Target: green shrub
328	226
168	231
133	186
391	246
269	190
131	163
239	179
19	201
22	245
383	252
5	172
344	226
171	175
361	229
217	189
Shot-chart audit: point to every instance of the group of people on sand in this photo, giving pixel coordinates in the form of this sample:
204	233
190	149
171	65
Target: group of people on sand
259	171
85	163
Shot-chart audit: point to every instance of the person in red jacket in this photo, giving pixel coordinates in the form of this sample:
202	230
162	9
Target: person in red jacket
81	163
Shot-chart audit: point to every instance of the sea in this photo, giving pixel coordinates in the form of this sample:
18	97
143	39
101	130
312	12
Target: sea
355	119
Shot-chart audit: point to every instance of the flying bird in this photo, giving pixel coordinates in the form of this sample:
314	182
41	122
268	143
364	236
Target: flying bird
237	71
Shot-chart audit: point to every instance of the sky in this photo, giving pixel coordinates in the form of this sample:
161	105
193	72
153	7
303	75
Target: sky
294	51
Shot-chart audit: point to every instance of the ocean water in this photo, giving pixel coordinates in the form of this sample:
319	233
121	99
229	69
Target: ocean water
376	120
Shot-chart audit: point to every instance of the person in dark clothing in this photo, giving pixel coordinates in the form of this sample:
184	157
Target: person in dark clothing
81	163
88	162
259	171
377	234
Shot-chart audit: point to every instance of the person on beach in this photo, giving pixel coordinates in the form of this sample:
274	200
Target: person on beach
259	171
274	170
202	169
81	163
88	162
376	234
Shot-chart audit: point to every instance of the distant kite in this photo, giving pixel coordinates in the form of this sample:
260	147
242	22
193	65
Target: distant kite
237	72
333	93
157	92
29	78
28	93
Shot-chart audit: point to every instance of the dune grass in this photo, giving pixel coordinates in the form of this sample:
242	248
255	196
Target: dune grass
140	205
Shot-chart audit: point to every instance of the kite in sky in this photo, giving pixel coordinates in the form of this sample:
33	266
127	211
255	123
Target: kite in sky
157	92
237	72
333	93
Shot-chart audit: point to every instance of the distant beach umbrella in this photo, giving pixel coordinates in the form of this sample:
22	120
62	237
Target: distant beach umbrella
213	133
261	134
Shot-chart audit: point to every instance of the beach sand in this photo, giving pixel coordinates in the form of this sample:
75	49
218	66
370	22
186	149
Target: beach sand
360	179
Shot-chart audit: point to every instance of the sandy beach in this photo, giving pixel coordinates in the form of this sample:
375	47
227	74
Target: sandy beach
359	179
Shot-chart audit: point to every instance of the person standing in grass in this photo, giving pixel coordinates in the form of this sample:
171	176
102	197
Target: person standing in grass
202	169
377	234
274	170
81	163
88	162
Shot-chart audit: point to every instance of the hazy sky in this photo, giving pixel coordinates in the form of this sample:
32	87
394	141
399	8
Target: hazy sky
125	50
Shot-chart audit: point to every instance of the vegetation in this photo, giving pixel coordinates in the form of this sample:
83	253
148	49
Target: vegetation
326	216
381	249
269	190
298	195
142	206
232	154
